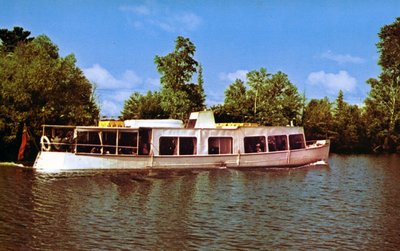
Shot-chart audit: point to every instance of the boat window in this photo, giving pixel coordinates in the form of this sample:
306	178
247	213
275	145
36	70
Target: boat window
128	143
277	143
296	141
168	145
187	146
61	138
219	145
254	144
88	142
109	139
144	141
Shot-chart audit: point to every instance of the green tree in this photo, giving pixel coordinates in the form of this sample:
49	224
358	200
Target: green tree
39	87
220	114
382	103
348	127
257	80
179	96
198	93
10	39
143	107
236	104
132	107
355	131
270	100
318	119
382	111
276	100
289	102
176	103
389	47
340	104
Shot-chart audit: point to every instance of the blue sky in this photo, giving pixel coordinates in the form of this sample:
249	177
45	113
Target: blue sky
323	46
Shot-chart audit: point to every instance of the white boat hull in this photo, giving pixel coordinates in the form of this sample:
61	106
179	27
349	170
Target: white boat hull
67	161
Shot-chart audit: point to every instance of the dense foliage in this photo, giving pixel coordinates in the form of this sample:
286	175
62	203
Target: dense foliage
10	39
147	106
383	102
374	127
271	99
38	87
318	118
179	97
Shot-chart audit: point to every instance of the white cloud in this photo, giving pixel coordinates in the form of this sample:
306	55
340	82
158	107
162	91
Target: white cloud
120	95
113	91
104	80
342	59
232	76
164	25
333	82
109	108
154	82
156	16
190	20
140	9
131	77
215	97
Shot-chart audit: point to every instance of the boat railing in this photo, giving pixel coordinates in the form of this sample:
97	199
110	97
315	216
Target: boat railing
56	138
88	148
316	143
60	147
83	148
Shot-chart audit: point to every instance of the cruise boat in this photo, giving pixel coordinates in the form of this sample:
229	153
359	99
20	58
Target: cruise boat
170	144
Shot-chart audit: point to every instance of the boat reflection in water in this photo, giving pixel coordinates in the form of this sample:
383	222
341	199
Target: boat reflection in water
169	144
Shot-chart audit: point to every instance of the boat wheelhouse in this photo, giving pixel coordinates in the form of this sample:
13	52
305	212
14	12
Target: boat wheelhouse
169	144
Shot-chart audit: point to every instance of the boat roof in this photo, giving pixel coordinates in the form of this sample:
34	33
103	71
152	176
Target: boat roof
203	120
230	131
154	123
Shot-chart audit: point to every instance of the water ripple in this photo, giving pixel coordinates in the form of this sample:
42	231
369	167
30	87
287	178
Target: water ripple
353	205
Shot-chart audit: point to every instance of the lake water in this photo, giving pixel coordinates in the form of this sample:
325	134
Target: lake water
354	203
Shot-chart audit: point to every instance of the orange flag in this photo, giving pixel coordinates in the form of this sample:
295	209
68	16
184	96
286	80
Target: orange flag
23	143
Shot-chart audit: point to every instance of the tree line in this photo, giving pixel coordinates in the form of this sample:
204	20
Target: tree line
37	87
271	99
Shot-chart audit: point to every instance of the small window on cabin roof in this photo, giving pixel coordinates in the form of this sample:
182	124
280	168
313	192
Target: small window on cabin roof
254	144
220	145
277	143
296	141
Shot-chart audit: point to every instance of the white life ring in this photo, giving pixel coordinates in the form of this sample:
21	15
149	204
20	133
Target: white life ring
43	141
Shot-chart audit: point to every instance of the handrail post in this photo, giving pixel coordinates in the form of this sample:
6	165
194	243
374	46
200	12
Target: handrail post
116	142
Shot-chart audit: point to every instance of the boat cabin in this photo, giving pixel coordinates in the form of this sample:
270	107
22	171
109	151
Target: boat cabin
201	136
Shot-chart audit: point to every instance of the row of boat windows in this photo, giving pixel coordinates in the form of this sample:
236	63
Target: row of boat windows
106	143
224	145
132	143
